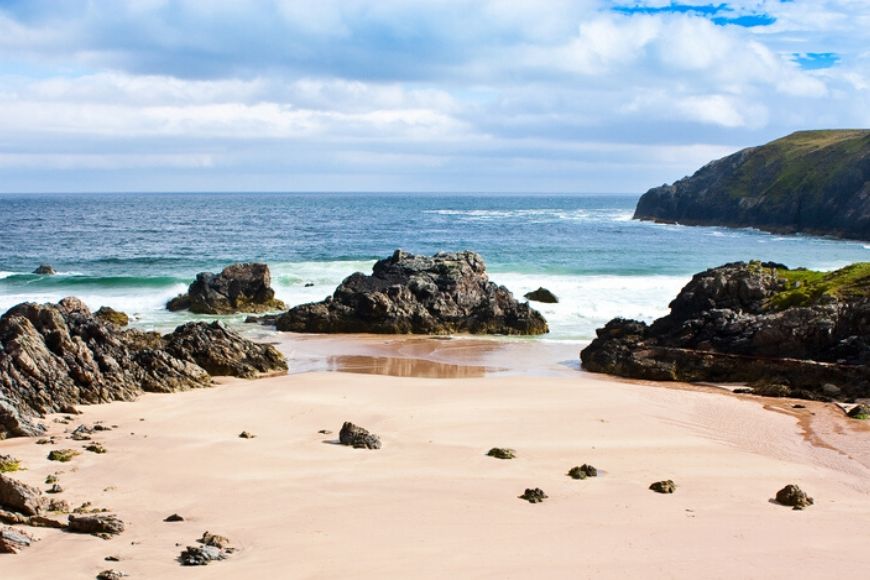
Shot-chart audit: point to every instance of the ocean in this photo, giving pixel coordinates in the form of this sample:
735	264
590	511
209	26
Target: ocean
135	251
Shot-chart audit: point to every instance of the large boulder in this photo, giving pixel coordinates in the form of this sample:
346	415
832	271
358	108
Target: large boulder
761	323
238	288
54	356
405	294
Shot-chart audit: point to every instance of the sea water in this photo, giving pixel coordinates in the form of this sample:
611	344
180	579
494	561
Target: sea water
135	251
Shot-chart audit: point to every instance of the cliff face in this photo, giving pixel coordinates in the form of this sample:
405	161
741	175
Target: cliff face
815	182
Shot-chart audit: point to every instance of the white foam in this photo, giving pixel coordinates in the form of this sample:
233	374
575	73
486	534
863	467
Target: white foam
7	274
535	215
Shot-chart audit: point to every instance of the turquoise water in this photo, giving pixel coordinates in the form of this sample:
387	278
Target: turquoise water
135	251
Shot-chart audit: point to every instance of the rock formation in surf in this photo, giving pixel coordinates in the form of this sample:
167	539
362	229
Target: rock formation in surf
238	288
54	356
815	182
405	294
785	332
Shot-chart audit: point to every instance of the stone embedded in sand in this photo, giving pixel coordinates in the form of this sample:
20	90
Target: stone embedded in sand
583	471
502	453
200	555
541	295
8	464
246	435
111	575
13	540
56	488
173	518
325	432
97	525
860	411
62	455
59	505
96	448
17	496
792	495
357	437
534	495
665	486
210	539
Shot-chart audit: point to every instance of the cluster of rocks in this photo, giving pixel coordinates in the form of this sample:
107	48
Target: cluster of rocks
731	324
582	471
55	356
238	288
212	548
447	293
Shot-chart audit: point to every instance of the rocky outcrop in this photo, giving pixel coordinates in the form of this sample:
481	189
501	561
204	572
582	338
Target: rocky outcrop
54	356
238	288
107	314
541	295
19	497
405	294
786	332
45	270
815	182
102	525
13	540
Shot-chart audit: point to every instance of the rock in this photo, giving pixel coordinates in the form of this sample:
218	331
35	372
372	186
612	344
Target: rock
200	555
221	351
13	540
102	525
792	495
107	314
502	453
112	559
210	539
9	464
20	497
666	486
111	575
788	333
309	284
541	295
49	479
325	432
246	435
173	518
45	270
860	411
583	471
15	518
813	182
59	505
55	356
447	293
56	488
62	455
357	437
535	495
96	448
238	288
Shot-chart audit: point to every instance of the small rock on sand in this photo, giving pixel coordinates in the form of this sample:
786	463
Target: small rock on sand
357	437
792	495
111	575
665	486
583	471
13	540
502	453
98	525
534	495
246	435
173	518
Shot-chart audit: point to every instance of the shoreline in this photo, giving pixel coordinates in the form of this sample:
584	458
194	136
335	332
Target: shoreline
430	503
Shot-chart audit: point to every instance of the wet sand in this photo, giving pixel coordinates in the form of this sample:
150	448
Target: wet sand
430	504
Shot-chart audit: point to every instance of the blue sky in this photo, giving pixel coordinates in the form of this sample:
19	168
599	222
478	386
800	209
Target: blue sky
391	95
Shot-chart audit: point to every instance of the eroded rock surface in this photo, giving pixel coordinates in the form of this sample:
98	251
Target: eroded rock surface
238	288
357	437
406	294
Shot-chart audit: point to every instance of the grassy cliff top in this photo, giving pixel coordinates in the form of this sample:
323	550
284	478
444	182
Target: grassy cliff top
805	287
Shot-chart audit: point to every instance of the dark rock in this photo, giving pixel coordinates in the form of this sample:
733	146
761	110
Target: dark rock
96	448
49	479
541	295
246	435
112	559
8	464
59	505
113	316
238	288
45	270
99	525
20	497
309	284
221	351
173	518
502	453
62	455
56	488
325	432
666	486
54	356
407	294
583	471
358	437
860	411
792	495
13	540
787	333
811	181
111	575
535	495
200	555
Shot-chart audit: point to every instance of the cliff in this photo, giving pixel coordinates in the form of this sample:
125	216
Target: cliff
814	182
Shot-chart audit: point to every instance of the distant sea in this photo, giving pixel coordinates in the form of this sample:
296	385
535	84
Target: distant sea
135	251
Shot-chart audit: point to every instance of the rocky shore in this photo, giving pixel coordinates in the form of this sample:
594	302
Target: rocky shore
447	293
55	356
785	332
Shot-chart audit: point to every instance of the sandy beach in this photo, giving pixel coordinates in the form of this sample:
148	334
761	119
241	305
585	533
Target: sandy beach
431	504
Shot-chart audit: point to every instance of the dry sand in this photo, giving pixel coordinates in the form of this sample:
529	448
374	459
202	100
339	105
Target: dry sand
431	504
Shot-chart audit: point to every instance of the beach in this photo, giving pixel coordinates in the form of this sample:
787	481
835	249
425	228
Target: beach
431	504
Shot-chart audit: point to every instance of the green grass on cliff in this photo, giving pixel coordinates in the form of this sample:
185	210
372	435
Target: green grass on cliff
805	287
803	161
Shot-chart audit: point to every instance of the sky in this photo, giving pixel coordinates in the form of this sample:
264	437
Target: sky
551	96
